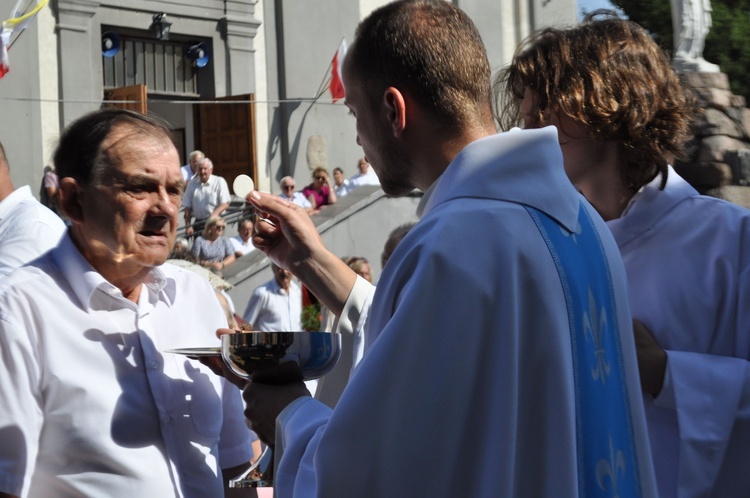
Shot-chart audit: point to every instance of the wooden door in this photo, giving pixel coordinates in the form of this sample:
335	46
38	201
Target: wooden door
135	95
226	134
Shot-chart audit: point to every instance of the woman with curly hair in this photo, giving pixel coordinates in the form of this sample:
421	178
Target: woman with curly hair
622	118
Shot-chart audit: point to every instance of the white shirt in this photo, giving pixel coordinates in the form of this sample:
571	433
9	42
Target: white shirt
187	172
298	199
240	245
369	178
467	383
343	189
202	198
688	262
27	229
92	403
272	309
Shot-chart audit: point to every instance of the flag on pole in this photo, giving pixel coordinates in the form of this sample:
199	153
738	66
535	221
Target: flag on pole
336	87
16	24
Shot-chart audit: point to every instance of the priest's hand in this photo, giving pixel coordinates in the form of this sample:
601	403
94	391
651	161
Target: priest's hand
287	235
652	360
284	231
265	401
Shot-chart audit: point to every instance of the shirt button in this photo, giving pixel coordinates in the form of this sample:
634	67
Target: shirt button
154	365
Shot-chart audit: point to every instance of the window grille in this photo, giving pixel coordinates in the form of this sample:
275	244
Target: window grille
160	65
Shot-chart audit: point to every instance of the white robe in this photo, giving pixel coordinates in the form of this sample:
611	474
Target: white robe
688	263
466	386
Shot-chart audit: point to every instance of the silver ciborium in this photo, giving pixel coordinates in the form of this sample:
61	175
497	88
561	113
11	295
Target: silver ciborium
277	358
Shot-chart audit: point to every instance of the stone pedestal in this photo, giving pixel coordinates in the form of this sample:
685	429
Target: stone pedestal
720	152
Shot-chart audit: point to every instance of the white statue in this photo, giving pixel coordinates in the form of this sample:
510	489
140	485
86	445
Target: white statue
691	20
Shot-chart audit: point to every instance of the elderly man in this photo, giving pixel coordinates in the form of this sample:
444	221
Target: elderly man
93	402
242	242
366	175
27	228
287	185
288	193
206	196
499	356
189	170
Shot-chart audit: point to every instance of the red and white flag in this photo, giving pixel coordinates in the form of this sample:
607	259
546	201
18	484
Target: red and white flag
4	41
336	87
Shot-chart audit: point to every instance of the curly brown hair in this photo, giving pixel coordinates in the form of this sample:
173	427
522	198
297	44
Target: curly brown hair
610	76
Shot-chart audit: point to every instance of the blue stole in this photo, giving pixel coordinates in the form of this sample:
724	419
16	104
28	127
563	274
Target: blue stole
607	463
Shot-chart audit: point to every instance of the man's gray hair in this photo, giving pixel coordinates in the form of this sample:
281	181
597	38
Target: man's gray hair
204	161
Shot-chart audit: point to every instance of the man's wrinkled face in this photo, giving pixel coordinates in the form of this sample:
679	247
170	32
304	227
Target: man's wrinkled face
132	210
287	188
204	171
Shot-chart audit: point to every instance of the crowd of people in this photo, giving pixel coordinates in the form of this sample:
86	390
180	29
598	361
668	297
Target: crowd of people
568	316
207	198
322	192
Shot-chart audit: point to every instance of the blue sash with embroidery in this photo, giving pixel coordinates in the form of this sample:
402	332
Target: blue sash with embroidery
606	451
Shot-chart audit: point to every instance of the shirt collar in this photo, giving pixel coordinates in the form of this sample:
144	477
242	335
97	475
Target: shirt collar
649	206
14	199
86	282
675	190
242	242
276	288
519	166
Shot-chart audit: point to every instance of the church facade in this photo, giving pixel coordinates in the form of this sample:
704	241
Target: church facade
243	80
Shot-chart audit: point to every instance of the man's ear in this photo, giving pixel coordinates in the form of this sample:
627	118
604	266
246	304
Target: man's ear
71	195
395	106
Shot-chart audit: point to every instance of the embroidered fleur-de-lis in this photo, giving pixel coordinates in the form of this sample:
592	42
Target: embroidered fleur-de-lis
594	325
612	469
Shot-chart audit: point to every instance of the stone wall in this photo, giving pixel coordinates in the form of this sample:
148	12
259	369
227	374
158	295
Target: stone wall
718	160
